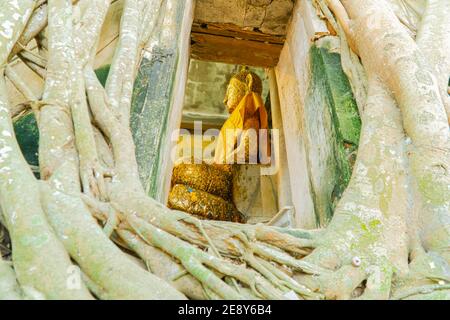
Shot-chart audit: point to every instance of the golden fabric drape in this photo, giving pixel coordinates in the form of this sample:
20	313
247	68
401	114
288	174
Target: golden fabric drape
250	107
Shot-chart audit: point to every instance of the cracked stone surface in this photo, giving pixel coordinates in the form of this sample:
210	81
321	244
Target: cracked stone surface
267	16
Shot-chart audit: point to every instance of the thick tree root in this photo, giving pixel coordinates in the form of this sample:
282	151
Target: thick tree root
97	256
262	248
9	288
330	271
162	265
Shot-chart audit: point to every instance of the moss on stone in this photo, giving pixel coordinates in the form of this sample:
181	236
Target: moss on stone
150	110
330	93
27	134
152	104
347	117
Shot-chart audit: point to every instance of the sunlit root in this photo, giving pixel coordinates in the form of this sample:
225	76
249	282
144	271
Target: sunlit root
9	288
97	256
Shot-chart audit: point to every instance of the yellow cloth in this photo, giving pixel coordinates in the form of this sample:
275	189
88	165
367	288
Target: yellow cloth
249	107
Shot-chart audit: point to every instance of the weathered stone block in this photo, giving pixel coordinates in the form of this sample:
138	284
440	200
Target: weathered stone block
333	127
269	16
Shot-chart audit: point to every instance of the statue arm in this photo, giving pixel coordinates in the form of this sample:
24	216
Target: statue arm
247	141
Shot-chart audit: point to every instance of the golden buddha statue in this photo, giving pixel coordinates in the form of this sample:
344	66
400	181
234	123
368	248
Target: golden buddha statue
205	190
238	140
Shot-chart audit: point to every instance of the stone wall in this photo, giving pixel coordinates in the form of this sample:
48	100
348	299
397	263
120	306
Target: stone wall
267	16
332	128
319	115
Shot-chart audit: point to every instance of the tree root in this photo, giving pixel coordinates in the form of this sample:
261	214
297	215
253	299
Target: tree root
247	245
162	265
428	292
195	262
9	288
103	262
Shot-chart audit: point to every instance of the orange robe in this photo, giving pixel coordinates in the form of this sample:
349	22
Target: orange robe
244	117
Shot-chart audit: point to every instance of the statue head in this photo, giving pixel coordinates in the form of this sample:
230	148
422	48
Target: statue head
240	84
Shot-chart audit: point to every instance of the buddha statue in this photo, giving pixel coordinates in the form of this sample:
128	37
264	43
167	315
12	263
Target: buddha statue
205	190
238	141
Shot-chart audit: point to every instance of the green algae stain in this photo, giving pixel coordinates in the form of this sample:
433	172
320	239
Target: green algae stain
386	198
435	193
102	73
150	112
27	134
330	93
371	226
374	224
346	110
153	101
364	227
